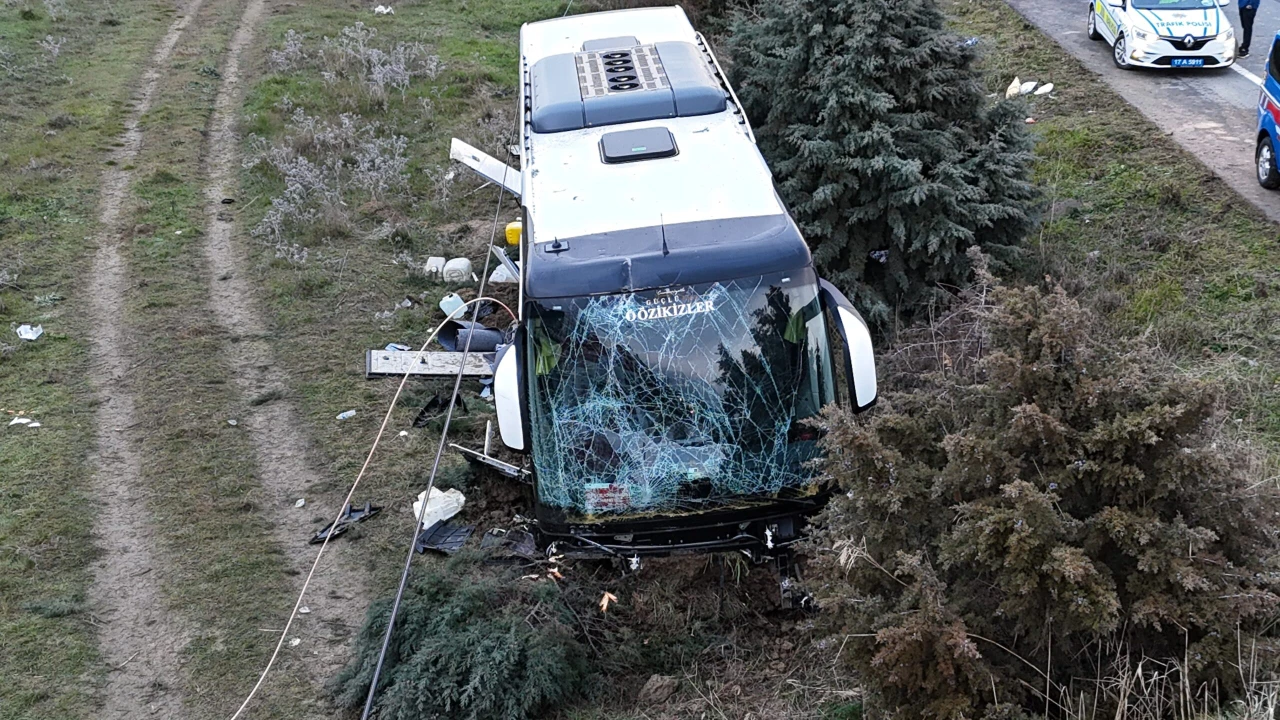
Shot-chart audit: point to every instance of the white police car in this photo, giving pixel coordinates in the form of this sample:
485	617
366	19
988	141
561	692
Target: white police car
1164	33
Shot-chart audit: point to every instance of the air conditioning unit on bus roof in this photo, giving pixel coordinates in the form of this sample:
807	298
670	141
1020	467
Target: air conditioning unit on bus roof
618	80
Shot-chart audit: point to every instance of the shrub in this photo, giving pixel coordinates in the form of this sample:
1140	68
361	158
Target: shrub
327	169
875	124
470	644
1031	495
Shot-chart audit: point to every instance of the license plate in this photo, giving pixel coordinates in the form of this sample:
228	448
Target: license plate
1188	62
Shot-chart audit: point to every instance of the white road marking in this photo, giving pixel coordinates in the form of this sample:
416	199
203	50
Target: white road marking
1252	78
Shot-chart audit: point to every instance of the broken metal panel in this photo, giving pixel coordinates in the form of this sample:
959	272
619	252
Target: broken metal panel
487	166
507	469
397	363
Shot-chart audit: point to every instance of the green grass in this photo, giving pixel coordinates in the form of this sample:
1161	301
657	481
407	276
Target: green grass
1175	253
56	117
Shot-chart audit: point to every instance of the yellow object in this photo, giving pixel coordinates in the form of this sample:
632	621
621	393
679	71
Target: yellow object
514	230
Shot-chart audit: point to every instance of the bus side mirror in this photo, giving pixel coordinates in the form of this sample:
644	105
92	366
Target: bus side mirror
859	359
508	395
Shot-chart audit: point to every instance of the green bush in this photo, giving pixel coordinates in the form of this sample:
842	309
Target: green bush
1032	497
875	123
470	643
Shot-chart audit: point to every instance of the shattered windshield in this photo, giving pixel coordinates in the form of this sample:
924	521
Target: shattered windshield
679	399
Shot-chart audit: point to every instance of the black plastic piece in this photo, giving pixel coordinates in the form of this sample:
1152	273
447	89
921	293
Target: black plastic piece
350	516
436	402
444	537
520	543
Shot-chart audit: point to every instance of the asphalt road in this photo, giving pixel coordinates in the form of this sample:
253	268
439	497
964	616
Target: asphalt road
1209	112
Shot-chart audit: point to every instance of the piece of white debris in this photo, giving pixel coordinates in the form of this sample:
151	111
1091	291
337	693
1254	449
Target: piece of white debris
33	425
233	422
346	415
441	506
304	610
295	642
1044	89
1028	86
177	232
1031	121
383	10
404	433
1014	88
20	421
301	502
27	332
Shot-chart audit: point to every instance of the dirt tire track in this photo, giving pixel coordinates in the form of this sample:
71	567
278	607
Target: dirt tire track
284	459
139	640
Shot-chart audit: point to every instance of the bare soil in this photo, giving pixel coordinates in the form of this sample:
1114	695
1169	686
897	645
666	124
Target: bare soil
286	462
140	641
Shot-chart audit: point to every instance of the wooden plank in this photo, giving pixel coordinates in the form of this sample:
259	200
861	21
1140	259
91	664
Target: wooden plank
396	363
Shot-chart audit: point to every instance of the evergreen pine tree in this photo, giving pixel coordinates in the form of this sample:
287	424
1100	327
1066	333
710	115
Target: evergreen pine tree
875	123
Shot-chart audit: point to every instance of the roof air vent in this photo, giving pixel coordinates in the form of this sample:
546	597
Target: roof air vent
643	144
613	84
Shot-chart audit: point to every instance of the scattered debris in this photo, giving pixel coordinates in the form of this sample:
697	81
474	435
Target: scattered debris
347	415
1027	87
350	516
970	42
457	270
1031	121
233	422
404	433
501	274
23	421
658	689
452	305
383	10
441	506
27	332
304	610
295	642
425	417
1014	89
608	598
1045	89
228	201
300	503
515	542
398	347
444	537
434	269
405	304
453	336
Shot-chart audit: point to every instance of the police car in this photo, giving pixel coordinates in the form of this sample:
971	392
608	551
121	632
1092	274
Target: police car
1269	121
1164	33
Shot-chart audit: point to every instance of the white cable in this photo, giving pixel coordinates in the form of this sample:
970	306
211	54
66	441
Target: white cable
342	508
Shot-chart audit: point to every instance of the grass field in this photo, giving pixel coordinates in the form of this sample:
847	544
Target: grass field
1136	226
58	114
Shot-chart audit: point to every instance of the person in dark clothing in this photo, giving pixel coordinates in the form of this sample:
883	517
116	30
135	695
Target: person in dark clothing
1248	9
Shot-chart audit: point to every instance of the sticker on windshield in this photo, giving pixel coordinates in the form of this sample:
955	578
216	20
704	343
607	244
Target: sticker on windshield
669	307
606	497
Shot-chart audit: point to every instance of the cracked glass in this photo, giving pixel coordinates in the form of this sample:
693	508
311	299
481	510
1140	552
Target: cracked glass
678	400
